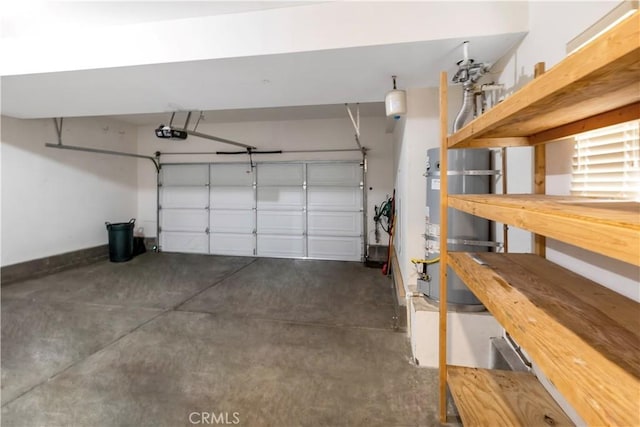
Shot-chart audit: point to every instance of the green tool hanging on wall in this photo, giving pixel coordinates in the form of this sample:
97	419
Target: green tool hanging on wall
382	217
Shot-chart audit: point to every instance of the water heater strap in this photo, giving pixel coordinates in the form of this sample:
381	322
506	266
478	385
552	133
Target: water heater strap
485	243
469	172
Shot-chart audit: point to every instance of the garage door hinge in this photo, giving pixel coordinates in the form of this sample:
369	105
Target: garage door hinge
159	207
159	229
254	251
206	230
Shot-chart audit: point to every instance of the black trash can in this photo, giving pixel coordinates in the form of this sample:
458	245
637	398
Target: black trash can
120	240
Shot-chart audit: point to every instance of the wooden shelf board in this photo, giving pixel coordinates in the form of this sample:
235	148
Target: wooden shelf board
584	337
602	76
608	118
502	398
608	227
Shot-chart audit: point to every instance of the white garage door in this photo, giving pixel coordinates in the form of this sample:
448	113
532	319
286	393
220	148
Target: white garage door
232	219
281	210
286	210
184	208
334	211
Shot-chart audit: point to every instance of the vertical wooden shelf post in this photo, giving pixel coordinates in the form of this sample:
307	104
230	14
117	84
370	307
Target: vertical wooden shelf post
444	204
539	175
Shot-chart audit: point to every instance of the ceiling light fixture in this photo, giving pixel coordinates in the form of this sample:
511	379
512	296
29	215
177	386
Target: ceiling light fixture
395	103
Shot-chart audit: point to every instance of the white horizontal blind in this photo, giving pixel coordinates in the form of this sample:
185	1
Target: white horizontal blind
606	162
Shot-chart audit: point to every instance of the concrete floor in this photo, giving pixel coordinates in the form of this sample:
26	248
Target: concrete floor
175	340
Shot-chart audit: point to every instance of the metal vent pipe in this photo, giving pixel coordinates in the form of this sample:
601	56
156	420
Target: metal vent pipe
466	111
468	74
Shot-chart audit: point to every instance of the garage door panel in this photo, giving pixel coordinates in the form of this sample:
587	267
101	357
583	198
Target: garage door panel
184	242
280	174
279	222
184	197
232	244
232	198
336	248
335	223
334	199
334	174
281	246
184	174
280	198
184	220
232	221
231	174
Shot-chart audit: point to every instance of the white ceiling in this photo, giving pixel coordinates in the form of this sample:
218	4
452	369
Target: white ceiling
301	62
21	18
337	76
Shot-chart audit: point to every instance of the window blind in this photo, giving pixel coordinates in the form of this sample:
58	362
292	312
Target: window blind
606	162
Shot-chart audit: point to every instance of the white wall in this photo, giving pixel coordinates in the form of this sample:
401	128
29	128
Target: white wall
274	135
552	24
468	335
550	30
417	132
57	201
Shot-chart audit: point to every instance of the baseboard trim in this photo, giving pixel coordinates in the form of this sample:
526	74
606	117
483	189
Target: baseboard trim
52	264
397	275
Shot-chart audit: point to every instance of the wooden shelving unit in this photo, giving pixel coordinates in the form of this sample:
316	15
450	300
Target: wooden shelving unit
574	329
582	336
503	398
613	226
